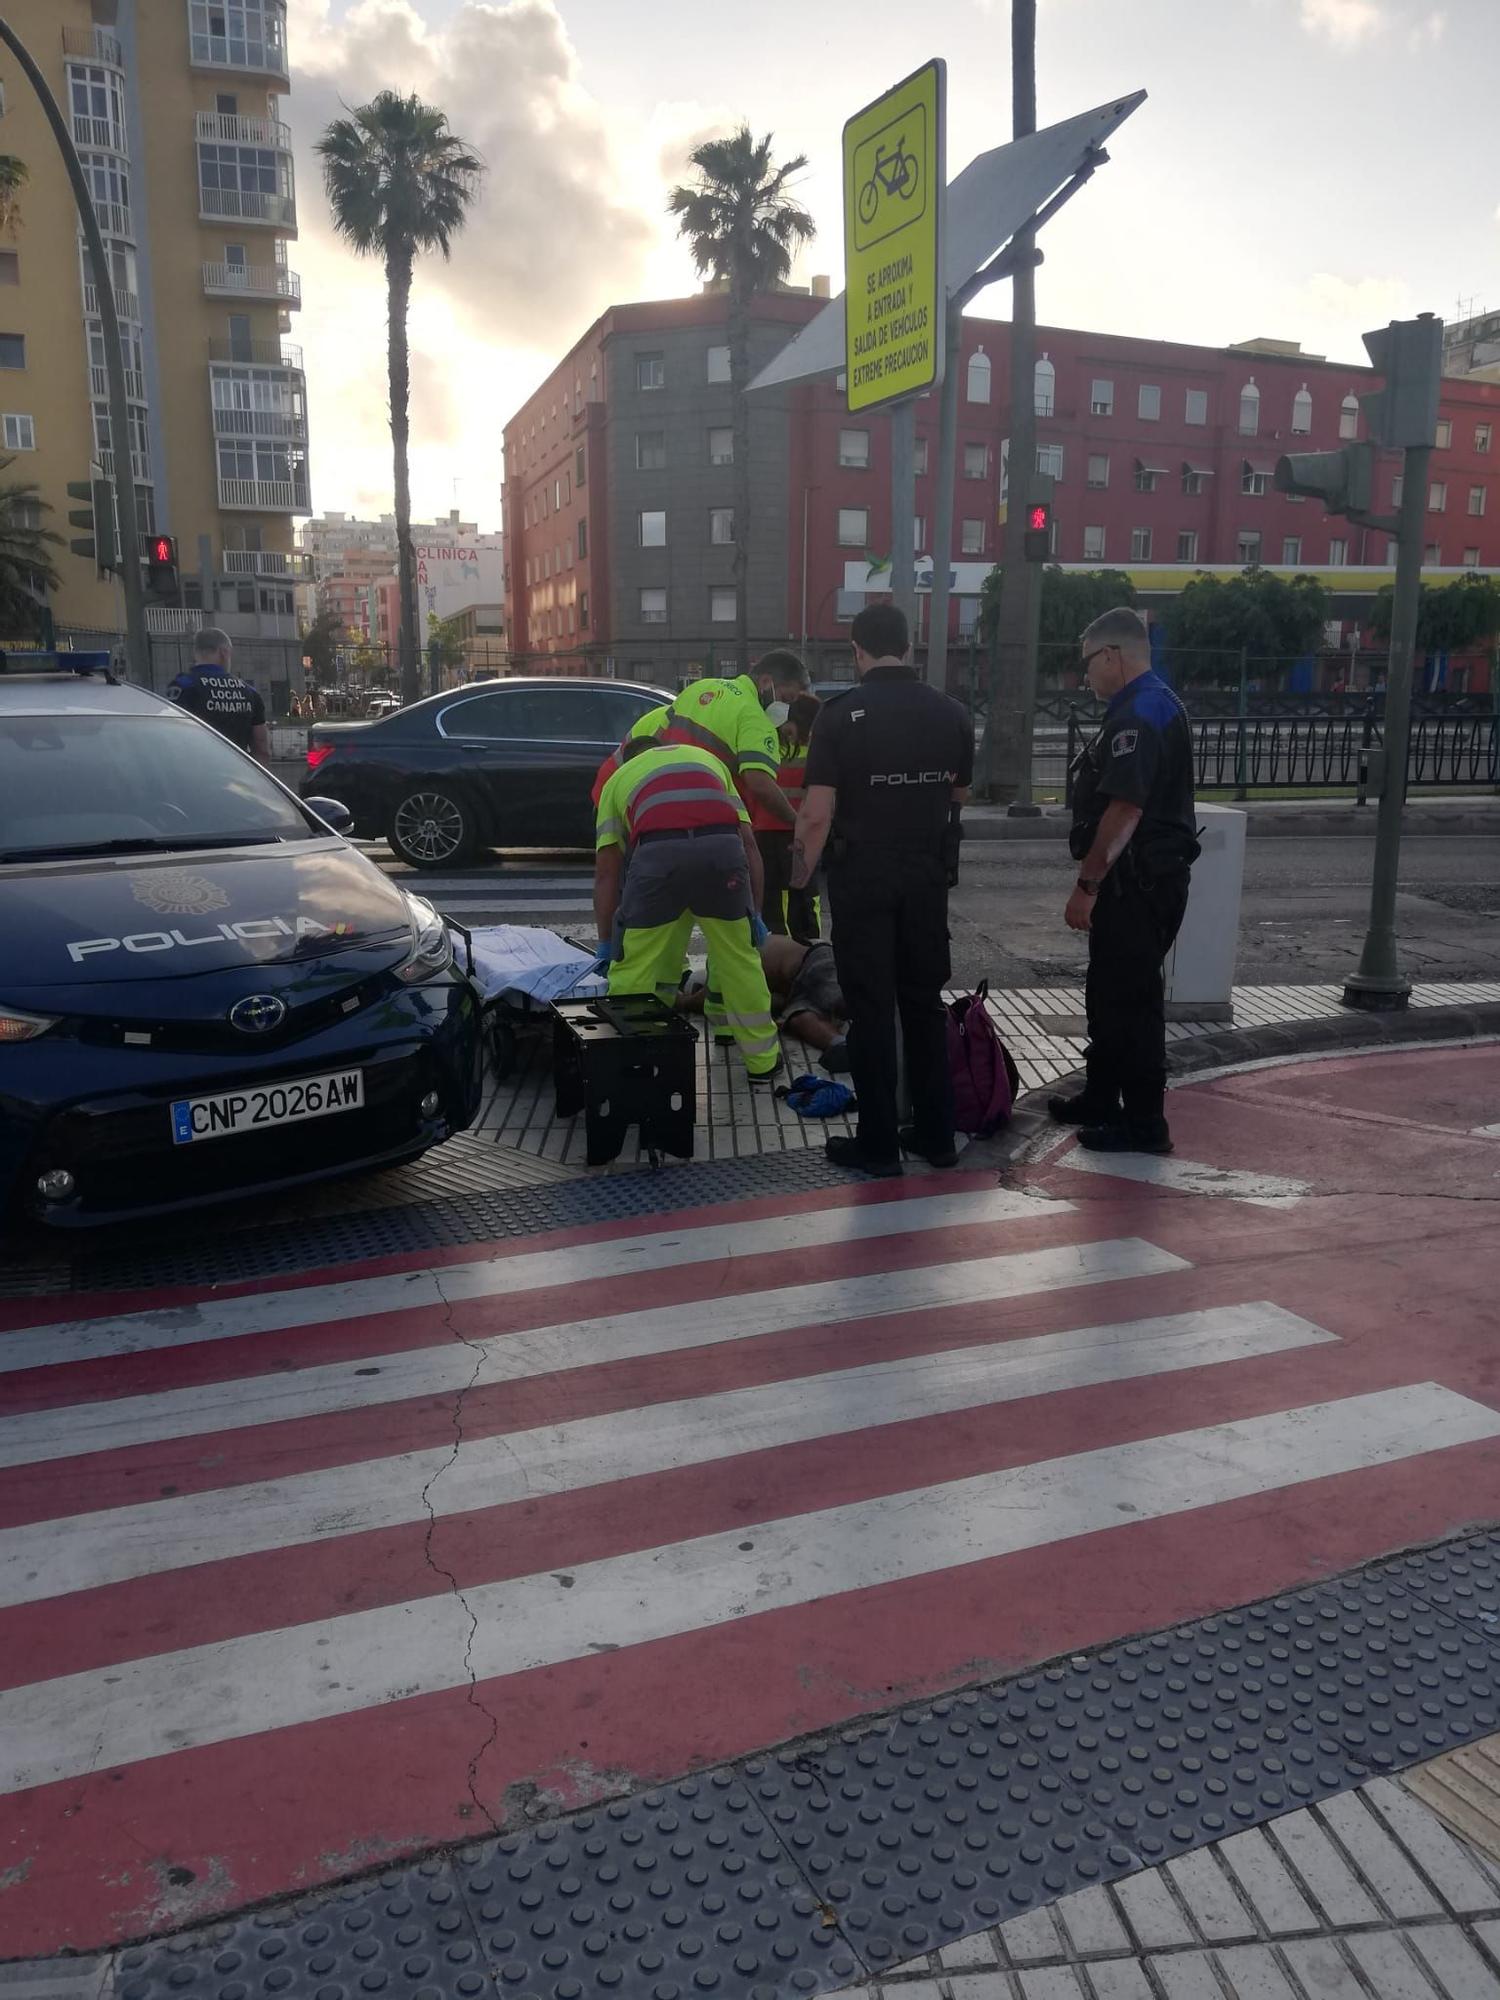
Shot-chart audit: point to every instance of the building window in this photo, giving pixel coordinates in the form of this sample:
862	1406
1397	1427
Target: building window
1249	409
721	445
20	434
1049	460
1187	545
1102	399
654	607
583	610
979	377
1302	412
721	526
1471	558
976	461
1247	547
854	527
1148	403
968	617
1349	416
1140	545
1477	496
97	102
854	448
580	467
239	34
1482	435
718	364
1045	387
919	456
651	373
653	528
251	183
12	350
1398	487
1145	477
1437	496
1444	436
1192	481
1432	556
583	539
722	605
1093	545
1291	551
650	451
1338	551
973	538
1195	407
918	533
10	267
1253	482
847	605
1098	469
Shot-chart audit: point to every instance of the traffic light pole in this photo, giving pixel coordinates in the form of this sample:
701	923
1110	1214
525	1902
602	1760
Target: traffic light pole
136	647
1379	986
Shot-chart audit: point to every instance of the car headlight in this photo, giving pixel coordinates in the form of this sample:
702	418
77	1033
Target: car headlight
432	953
18	1027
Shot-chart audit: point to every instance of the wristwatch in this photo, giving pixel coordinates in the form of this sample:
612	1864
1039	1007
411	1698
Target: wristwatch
1090	884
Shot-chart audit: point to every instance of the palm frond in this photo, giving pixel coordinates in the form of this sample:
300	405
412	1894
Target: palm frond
736	217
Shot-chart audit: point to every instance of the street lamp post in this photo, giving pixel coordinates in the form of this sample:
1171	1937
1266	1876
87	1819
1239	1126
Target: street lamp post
136	651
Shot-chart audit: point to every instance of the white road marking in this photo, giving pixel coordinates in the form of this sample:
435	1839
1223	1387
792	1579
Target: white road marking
492	1277
1484	1131
77	1428
232	1689
86	1551
1187	1177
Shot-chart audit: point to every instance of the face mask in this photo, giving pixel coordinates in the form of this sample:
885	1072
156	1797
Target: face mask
777	712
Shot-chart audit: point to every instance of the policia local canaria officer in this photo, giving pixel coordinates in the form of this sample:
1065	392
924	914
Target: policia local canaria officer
889	763
211	692
1135	835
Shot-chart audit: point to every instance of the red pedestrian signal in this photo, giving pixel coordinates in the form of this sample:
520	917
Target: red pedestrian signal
1040	518
1038	541
161	569
164	550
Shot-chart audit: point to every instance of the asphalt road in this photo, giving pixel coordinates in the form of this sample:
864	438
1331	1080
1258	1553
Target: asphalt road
1302	919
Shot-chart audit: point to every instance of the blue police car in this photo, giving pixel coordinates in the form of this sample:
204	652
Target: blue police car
204	989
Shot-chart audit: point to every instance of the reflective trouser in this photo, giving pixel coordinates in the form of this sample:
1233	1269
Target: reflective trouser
785	910
670	885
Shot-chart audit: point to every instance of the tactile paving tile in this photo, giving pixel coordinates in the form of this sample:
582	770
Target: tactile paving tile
405	1934
1461	1578
678	1892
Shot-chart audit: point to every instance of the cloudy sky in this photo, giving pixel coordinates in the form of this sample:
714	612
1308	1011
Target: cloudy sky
1303	168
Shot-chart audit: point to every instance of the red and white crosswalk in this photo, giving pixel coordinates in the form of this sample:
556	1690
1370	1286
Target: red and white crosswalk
298	1576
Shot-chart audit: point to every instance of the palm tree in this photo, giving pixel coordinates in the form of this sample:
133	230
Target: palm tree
15	176
744	230
26	566
399	182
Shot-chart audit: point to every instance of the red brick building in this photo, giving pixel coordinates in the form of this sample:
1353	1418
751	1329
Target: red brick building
1162	453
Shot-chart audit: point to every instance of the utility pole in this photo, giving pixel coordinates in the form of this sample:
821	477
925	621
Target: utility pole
1006	755
137	651
903	507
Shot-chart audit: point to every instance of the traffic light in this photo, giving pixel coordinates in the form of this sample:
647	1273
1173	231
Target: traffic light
161	569
1343	480
1409	354
97	520
1038	542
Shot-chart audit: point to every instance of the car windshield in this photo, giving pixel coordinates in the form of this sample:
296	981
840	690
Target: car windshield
117	784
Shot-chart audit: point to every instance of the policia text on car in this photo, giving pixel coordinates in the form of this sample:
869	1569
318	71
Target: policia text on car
889	764
1134	833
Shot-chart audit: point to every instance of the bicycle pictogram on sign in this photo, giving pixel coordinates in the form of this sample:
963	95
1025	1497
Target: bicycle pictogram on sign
891	190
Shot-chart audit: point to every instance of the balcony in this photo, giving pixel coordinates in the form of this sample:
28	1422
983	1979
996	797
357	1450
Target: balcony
218	128
135	384
279	426
294	568
127	305
265	496
276	211
248	38
99	135
113	218
93	45
255	353
273	283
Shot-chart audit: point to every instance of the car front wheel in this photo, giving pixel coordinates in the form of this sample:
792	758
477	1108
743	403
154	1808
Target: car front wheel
433	828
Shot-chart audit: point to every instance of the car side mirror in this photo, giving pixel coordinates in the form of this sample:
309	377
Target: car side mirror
334	814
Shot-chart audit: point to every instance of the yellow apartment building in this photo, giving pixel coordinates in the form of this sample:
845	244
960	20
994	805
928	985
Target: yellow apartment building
176	108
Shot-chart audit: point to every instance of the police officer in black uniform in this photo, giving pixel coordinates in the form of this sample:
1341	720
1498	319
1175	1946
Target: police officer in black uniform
887	768
210	691
1135	836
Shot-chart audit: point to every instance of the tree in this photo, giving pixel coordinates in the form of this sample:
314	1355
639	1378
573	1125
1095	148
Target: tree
399	183
27	570
1268	616
445	646
1071	601
743	230
319	644
15	176
1450	616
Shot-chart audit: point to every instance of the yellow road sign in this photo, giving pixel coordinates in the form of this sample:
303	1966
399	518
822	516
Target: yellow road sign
895	181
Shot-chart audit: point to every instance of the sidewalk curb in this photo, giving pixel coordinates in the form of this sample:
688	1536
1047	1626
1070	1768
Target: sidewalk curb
1354	1033
1342	817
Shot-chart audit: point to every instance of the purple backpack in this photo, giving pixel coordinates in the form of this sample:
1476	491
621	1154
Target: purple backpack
985	1080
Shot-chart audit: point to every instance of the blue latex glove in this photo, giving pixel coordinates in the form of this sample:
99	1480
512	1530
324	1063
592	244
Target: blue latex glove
603	954
759	930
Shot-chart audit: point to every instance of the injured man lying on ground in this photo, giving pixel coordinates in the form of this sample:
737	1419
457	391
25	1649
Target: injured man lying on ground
805	992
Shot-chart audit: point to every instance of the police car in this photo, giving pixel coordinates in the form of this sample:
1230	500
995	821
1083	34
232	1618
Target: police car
204	989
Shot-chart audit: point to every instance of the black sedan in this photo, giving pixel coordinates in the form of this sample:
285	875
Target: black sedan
499	764
204	990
